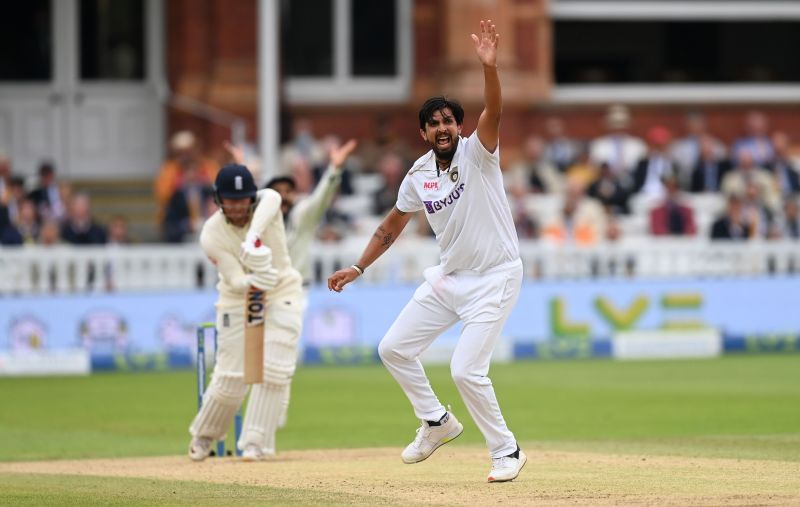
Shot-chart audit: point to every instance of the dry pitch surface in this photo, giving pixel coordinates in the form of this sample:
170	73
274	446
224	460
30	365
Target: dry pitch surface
457	475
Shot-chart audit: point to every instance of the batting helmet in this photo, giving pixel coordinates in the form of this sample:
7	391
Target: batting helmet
234	181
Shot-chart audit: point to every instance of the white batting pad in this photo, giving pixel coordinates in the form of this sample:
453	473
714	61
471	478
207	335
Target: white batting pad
220	403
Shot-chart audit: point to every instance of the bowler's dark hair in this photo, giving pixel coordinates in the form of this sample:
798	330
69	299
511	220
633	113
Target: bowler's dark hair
281	179
434	104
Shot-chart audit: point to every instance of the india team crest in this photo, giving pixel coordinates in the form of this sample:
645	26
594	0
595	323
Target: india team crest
454	176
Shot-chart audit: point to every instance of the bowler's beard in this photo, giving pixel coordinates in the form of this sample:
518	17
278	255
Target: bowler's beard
445	155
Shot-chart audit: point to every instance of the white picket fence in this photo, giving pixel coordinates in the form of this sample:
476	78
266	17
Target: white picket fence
65	269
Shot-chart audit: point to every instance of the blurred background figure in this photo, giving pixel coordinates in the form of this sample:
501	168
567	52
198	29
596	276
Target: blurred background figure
185	162
672	217
784	168
748	174
580	221
535	172
621	150
392	170
560	149
24	228
47	194
80	228
709	170
302	145
686	151
188	207
650	171
756	140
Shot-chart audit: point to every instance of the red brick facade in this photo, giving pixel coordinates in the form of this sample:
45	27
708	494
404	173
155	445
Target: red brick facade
212	57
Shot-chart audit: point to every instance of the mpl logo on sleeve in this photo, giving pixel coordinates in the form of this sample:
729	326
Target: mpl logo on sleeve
431	185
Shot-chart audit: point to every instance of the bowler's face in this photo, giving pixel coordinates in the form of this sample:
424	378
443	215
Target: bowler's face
441	133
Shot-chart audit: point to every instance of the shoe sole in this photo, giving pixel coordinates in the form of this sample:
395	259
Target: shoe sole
448	440
492	479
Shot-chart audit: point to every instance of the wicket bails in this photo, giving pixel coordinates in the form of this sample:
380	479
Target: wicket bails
201	383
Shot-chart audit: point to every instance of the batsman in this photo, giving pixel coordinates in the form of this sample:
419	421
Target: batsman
258	316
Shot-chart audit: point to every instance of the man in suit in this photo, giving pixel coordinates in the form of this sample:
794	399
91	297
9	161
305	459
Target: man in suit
783	168
710	169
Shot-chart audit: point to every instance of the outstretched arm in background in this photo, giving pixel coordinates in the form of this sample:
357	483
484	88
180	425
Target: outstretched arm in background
309	211
384	236
489	122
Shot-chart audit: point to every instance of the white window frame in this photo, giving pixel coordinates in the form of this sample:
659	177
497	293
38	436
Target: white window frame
343	87
752	10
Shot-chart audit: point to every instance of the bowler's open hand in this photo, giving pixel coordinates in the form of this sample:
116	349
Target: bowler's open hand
486	43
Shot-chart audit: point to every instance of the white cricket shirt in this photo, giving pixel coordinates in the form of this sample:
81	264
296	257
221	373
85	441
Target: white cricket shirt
466	207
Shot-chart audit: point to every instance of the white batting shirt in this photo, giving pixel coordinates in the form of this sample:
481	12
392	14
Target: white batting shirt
466	207
221	242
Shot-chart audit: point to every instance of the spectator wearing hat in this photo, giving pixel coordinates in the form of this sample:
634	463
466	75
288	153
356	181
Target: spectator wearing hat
647	177
672	217
184	158
618	148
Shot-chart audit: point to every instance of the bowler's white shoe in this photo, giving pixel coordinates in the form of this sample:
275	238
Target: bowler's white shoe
200	448
253	453
507	468
429	438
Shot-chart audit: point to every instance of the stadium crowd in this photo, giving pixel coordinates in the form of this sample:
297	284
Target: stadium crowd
562	190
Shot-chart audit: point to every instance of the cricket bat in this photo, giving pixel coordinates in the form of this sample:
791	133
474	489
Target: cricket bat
255	308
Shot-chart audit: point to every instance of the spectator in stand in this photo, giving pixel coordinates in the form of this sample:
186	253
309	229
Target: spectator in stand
672	217
618	148
610	191
560	150
384	140
5	179
185	157
535	172
9	211
650	171
302	145
79	227
783	168
47	195
581	221
50	233
526	225
118	231
756	141
790	222
392	169
760	217
747	173
188	207
25	229
710	169
686	152
583	171
733	224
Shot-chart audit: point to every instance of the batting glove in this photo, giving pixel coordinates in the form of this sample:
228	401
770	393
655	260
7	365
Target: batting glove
255	258
265	280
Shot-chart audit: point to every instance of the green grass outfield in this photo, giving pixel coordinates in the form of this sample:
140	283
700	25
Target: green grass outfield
734	407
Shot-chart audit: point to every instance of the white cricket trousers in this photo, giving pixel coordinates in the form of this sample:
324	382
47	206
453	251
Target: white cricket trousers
483	302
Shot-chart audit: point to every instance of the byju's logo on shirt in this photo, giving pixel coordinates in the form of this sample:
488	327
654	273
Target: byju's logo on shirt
431	185
439	204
